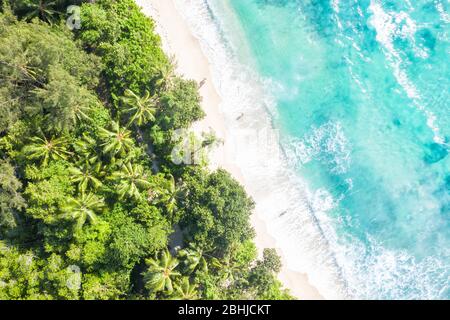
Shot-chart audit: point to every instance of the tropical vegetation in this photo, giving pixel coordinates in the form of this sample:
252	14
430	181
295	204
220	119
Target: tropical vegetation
91	204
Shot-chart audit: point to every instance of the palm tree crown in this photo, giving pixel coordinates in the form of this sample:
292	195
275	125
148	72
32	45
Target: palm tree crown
40	8
185	290
86	149
140	109
166	75
116	142
83	208
87	175
193	258
161	272
169	193
47	149
131	179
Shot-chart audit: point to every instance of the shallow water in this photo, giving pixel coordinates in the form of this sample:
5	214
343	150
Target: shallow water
357	92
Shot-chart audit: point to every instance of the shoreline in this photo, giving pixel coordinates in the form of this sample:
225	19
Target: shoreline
178	41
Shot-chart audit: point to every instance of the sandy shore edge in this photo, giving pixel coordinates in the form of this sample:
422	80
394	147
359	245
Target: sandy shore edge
192	64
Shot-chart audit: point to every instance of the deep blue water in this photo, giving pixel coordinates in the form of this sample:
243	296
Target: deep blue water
361	92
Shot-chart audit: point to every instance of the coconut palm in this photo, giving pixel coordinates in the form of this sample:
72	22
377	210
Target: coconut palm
228	267
169	193
47	149
200	146
166	75
140	109
42	9
131	179
83	208
87	176
118	141
193	258
185	290
86	149
161	273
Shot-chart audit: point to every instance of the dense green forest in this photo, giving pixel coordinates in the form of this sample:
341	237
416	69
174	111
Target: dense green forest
90	199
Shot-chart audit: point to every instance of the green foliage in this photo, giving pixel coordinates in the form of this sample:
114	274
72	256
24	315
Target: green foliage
166	75
271	260
180	105
141	110
88	192
185	290
87	176
217	211
130	58
22	276
117	141
193	259
83	209
11	201
48	188
43	73
130	240
90	246
66	102
46	149
161	273
46	10
105	286
131	179
263	279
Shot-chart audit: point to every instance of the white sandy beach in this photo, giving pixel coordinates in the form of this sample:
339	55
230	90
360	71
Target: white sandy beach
192	64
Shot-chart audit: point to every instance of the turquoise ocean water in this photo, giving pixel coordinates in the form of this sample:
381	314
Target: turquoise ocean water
358	92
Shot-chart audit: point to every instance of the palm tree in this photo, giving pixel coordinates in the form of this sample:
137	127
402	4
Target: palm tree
131	179
193	258
42	9
166	74
169	194
140	109
86	150
83	208
116	142
185	290
87	175
161	272
47	149
200	146
228	266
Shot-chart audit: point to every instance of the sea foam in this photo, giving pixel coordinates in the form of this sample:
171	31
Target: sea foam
339	264
388	26
282	199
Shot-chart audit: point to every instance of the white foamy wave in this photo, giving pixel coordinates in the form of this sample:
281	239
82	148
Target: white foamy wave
282	200
394	274
327	144
335	5
392	25
373	271
297	217
444	15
